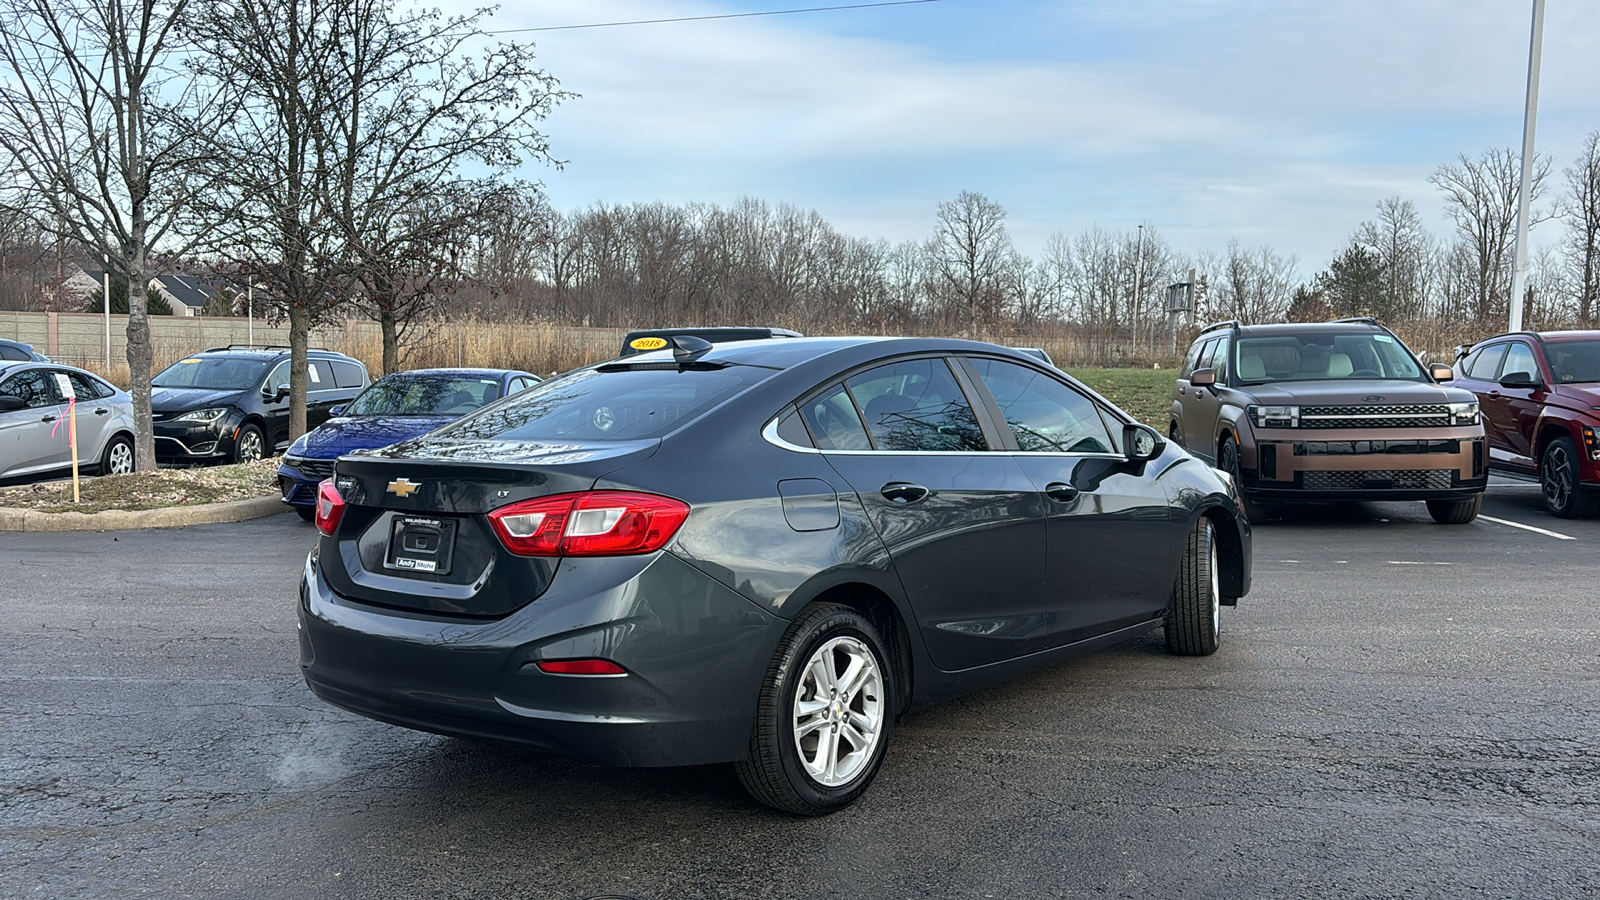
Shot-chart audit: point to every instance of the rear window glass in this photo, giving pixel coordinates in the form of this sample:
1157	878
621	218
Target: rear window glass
606	406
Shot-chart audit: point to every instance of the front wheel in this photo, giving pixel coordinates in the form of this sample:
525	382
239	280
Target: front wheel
1228	460
249	446
1455	512
1558	479
824	715
1194	615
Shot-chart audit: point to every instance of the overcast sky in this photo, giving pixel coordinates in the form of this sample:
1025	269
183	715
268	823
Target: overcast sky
1275	122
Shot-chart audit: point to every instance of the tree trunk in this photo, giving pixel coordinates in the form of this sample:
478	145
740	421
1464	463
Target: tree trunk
140	355
391	340
299	338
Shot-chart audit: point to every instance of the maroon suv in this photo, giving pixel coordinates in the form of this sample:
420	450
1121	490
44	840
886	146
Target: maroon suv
1540	397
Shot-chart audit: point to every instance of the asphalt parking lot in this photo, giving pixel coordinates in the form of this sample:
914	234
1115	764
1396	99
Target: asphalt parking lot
1398	709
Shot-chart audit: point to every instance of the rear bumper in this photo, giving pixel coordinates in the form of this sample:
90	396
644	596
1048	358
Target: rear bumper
695	653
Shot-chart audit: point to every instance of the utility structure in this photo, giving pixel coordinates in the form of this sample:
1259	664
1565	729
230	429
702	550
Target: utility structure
1519	276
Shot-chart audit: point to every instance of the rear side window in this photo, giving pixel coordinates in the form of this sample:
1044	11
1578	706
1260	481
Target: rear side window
319	376
1044	415
618	405
9	352
348	374
833	420
916	405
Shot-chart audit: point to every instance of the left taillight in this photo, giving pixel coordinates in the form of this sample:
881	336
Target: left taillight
330	507
592	523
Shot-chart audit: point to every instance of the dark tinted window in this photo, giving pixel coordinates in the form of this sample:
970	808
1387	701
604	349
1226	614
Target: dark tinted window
31	386
229	373
9	352
793	431
1192	357
319	376
348	374
88	388
1574	361
835	422
916	406
1044	414
1207	350
1487	366
621	405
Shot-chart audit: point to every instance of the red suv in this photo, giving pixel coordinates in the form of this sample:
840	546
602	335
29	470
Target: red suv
1540	397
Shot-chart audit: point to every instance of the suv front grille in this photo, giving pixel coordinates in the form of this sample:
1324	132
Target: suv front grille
1401	479
1429	415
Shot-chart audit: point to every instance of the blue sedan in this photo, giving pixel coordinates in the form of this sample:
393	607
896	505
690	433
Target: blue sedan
394	408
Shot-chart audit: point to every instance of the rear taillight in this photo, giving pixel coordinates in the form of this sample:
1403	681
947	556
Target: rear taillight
593	667
593	523
330	507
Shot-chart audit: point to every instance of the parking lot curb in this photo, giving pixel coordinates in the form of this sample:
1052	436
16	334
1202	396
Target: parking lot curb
126	519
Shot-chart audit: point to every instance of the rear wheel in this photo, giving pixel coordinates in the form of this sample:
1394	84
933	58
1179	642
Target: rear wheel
1455	512
1558	477
824	716
1194	615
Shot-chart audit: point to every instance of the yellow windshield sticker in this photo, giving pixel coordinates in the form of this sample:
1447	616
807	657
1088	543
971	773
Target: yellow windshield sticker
648	343
188	360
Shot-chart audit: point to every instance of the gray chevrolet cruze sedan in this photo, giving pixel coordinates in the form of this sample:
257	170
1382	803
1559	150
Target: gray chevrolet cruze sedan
761	553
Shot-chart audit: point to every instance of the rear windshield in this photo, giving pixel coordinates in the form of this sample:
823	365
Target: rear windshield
1322	356
425	395
1573	362
606	406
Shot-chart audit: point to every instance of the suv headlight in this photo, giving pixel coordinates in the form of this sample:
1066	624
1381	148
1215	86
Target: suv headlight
1464	413
1275	416
208	416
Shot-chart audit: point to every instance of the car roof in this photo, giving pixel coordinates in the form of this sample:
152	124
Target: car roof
1287	328
240	352
785	353
462	371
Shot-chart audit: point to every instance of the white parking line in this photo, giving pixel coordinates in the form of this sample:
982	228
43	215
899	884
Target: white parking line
1409	562
1554	534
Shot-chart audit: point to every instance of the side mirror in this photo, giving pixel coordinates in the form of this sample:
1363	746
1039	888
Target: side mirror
1141	443
336	410
1440	372
9	403
1203	377
1521	381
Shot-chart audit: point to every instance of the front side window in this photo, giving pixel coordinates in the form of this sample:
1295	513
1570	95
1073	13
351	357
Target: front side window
1044	415
916	406
1324	356
217	373
606	405
32	387
86	388
1519	360
1573	362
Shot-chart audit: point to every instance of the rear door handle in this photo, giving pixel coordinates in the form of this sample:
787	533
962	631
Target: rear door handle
1061	491
903	492
101	411
49	418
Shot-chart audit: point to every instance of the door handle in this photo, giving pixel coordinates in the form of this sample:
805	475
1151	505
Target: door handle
101	411
49	418
1061	491
903	492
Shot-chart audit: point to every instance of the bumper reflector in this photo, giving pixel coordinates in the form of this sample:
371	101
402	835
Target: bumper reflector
580	667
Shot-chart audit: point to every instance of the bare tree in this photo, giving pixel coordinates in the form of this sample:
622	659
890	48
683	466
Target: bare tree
102	125
1255	285
1402	244
1583	229
970	253
1481	198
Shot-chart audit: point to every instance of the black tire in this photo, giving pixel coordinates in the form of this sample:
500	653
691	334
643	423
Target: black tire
1455	512
1174	436
308	513
1558	481
249	445
1194	613
117	459
1228	460
774	772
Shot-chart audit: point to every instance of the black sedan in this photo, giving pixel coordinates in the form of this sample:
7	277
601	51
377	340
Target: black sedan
761	553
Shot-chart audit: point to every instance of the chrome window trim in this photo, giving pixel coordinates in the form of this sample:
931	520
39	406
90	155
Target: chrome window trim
769	433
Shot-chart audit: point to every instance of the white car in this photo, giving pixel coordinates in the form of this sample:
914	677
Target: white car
34	432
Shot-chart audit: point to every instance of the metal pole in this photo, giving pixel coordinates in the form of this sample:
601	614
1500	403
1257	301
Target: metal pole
1519	278
250	313
105	296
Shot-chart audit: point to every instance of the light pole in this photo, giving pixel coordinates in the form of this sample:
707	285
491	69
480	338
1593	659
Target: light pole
1519	277
105	297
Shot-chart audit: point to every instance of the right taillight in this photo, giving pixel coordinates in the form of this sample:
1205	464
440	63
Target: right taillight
593	523
330	507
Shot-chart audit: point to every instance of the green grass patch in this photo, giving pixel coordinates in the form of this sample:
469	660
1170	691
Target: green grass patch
1145	394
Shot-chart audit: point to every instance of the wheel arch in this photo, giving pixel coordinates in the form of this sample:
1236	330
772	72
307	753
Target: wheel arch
877	607
1231	554
1549	429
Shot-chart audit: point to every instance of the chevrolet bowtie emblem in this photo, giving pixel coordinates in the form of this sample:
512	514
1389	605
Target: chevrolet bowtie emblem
403	487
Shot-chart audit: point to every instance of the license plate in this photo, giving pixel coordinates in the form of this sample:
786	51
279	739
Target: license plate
421	544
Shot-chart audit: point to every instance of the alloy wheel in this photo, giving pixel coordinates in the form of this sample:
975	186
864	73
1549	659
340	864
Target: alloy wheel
839	711
120	460
249	448
1557	480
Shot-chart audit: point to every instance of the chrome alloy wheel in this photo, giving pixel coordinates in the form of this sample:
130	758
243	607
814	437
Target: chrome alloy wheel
120	460
838	711
250	445
1558	477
